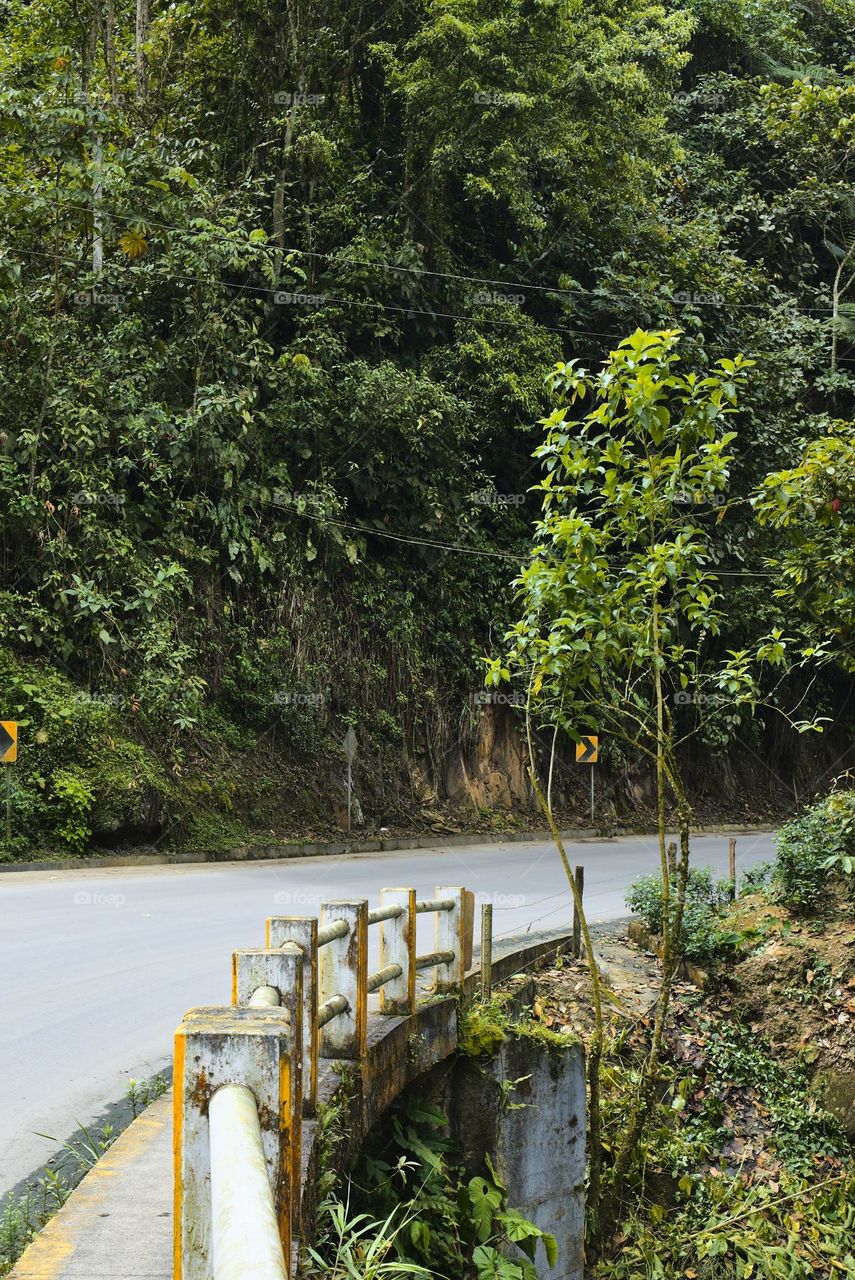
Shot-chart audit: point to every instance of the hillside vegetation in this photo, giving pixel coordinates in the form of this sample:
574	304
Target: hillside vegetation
280	289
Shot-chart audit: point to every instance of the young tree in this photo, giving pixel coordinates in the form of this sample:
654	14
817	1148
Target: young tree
619	601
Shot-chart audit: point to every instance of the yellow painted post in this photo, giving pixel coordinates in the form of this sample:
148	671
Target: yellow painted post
303	930
235	1046
451	936
398	946
344	972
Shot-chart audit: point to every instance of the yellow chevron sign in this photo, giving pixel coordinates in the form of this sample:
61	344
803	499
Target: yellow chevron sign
8	741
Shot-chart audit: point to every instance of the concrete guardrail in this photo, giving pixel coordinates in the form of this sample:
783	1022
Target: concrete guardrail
247	1073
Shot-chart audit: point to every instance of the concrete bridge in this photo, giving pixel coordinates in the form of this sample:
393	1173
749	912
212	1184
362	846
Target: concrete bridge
239	1197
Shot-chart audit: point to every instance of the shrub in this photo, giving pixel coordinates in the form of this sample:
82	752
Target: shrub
644	896
812	848
701	939
72	798
755	878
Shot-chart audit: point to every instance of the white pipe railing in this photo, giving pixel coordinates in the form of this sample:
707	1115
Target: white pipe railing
245	1239
426	905
379	979
335	929
245	1073
331	1009
265	996
435	958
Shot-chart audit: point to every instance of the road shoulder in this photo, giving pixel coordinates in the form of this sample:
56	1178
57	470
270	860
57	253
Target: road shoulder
113	1222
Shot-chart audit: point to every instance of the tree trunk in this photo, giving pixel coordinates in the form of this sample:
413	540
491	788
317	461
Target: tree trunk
139	43
110	48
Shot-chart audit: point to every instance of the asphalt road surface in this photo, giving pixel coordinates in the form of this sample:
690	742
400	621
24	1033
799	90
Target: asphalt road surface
99	966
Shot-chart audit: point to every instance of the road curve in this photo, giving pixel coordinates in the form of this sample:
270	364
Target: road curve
99	966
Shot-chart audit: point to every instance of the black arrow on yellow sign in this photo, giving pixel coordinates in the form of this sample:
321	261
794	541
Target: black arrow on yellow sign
587	749
8	741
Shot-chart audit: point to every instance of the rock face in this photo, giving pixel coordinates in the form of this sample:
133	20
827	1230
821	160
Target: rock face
492	773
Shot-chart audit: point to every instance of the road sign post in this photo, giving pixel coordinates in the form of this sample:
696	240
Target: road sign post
348	746
588	752
8	755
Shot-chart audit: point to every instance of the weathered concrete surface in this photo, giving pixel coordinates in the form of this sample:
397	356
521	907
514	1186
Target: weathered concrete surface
536	1145
541	1148
117	1225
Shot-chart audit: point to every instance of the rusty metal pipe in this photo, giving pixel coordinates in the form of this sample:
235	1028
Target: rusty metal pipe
392	912
382	976
424	905
435	958
331	1009
335	929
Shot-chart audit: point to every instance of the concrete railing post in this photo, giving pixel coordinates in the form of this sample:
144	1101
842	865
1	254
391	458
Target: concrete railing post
398	946
281	969
303	930
451	936
234	1046
344	972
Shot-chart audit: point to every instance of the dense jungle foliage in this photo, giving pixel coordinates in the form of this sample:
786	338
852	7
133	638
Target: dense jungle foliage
281	286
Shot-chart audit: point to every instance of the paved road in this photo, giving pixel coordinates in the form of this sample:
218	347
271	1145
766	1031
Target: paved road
98	967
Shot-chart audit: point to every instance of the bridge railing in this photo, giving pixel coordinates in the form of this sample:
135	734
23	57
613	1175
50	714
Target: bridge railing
245	1074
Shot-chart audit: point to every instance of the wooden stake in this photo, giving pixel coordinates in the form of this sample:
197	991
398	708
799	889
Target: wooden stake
732	858
577	923
486	950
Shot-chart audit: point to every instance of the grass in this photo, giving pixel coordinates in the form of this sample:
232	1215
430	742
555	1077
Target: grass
22	1217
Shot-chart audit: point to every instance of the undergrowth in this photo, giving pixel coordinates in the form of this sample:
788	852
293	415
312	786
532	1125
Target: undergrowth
741	1173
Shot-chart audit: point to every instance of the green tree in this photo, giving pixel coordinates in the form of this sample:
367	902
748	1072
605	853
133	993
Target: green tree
812	507
620	604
